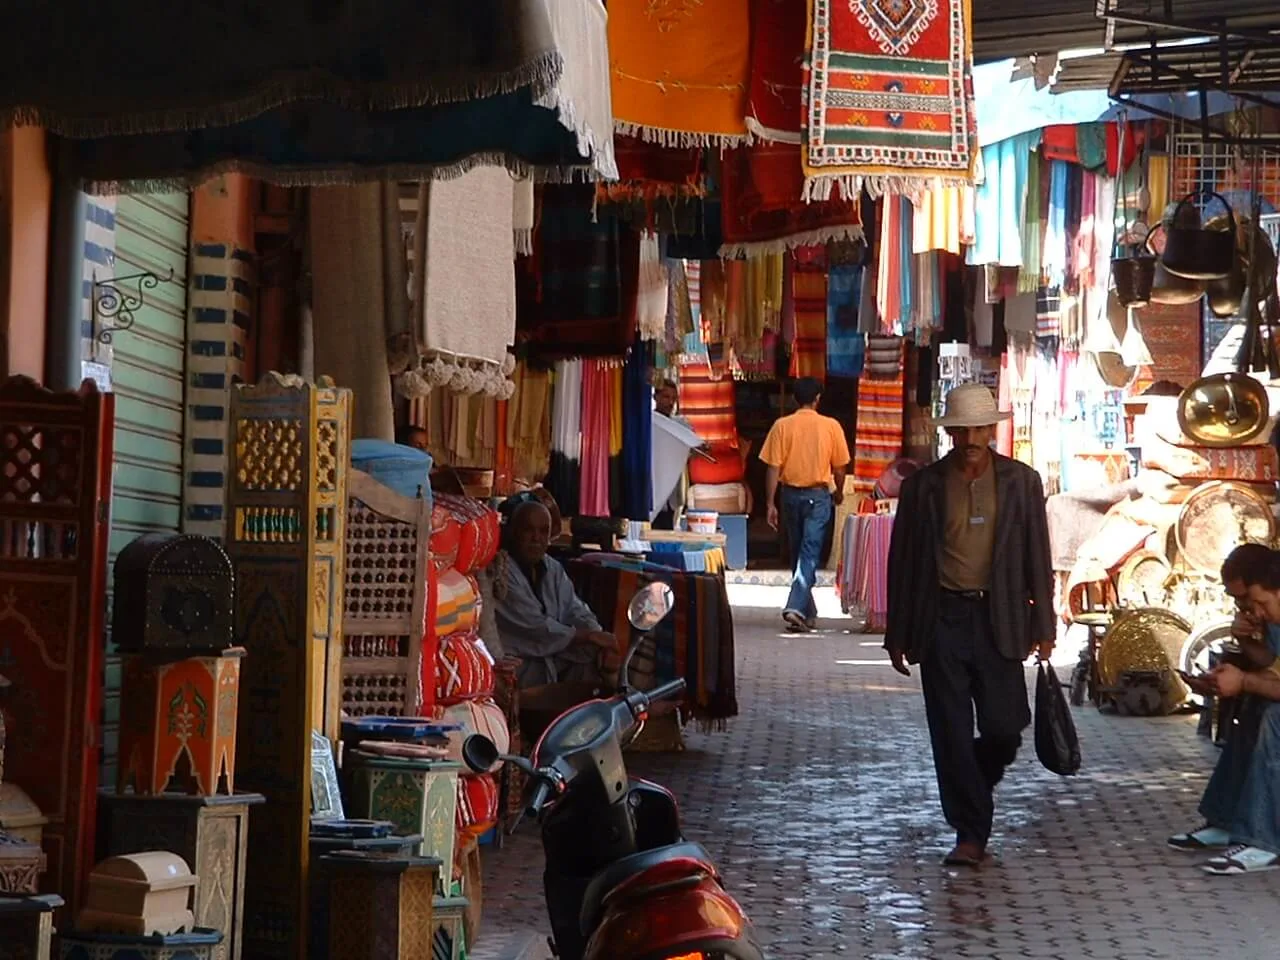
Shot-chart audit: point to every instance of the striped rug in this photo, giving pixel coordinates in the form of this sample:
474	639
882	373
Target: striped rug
878	440
707	403
809	289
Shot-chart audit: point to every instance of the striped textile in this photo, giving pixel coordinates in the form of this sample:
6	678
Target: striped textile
708	403
809	290
878	441
862	576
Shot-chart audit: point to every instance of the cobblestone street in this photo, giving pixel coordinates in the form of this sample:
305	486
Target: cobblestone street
820	806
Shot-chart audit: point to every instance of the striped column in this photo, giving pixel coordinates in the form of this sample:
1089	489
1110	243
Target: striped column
219	307
99	263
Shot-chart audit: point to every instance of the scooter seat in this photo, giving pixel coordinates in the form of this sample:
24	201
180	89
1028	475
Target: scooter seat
608	879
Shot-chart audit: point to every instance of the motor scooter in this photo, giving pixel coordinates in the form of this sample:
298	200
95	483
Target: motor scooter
620	879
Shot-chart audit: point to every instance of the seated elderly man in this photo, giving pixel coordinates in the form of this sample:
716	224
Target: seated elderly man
1241	805
540	618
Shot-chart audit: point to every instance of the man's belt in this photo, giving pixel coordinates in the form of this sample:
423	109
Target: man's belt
973	596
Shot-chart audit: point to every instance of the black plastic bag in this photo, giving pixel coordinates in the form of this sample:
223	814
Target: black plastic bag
1057	745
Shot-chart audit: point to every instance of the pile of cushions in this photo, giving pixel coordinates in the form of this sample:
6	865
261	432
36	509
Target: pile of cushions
457	668
719	486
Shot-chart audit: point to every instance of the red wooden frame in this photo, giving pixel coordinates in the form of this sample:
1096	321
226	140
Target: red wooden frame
55	489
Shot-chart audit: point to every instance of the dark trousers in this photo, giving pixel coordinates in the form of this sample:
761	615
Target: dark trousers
665	520
964	673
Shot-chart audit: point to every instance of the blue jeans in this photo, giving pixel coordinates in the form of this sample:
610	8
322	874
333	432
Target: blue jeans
806	514
1243	796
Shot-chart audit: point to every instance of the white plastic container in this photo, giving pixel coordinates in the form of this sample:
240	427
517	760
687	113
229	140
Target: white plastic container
702	522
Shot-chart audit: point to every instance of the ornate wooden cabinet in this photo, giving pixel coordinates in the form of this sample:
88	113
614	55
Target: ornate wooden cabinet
210	833
26	927
287	513
55	487
380	906
388	536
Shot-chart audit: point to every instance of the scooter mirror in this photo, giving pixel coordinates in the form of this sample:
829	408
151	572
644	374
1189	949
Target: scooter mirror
480	753
650	605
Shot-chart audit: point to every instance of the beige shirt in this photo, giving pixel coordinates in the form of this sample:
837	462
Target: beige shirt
968	531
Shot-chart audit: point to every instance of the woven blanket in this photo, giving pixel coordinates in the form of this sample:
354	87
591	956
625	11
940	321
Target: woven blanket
809	289
878	439
889	96
777	70
708	404
446	87
466	326
761	206
225	63
577	294
680	70
647	172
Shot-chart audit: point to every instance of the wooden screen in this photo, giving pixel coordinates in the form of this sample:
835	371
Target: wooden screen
55	487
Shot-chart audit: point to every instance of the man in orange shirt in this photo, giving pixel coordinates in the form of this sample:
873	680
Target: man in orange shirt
807	456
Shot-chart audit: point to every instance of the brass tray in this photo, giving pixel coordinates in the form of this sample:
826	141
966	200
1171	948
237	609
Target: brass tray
1140	582
1216	518
1147	638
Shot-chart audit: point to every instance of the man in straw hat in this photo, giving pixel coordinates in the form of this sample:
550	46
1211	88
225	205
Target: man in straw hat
970	597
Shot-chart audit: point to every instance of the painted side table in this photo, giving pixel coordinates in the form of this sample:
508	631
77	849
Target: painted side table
418	796
209	833
319	875
380	906
26	927
178	724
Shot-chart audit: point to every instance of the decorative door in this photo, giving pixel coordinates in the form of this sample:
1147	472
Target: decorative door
55	487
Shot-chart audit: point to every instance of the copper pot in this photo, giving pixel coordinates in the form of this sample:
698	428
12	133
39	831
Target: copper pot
1198	253
1166	287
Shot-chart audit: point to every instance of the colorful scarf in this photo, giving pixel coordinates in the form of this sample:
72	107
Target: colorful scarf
707	402
777	74
881	401
889	97
761	206
594	496
809	288
680	70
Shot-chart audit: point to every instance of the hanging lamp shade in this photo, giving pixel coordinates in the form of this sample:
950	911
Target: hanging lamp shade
312	91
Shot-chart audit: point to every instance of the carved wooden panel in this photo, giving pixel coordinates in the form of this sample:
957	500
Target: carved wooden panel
388	536
55	485
288	506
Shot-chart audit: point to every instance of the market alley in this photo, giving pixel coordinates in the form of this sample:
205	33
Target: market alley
820	806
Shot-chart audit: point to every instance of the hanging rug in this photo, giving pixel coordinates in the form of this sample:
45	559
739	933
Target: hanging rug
889	96
679	70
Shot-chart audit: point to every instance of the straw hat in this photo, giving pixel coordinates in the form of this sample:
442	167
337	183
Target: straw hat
971	405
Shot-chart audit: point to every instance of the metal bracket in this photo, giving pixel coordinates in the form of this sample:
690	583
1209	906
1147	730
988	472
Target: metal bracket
112	305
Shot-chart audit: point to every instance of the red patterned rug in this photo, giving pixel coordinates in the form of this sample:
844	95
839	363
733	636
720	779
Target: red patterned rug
889	96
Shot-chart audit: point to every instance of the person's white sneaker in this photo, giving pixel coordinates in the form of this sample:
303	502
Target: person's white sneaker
1242	858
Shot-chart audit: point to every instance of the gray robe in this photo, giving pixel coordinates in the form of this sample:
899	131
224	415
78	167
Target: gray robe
545	640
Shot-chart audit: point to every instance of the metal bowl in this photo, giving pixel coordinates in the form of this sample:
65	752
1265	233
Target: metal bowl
1224	410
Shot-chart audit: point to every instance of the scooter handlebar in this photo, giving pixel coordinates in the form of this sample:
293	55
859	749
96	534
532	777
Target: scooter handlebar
542	792
667	690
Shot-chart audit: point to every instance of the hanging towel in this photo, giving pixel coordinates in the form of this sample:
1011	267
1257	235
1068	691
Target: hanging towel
651	300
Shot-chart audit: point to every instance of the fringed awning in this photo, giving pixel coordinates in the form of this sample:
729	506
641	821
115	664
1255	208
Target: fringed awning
156	95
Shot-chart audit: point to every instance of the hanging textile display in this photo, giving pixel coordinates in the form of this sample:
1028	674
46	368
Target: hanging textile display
761	211
695	642
809	290
529	423
774	105
881	399
564	480
651	297
637	434
943	219
577	295
845	343
594	493
889	98
462	429
680	71
707	403
307	101
649	172
1000	201
464	231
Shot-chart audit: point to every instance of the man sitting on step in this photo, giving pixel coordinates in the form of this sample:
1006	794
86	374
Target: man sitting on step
1241	805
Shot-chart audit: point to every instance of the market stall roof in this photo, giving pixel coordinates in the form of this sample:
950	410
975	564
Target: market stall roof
1022	28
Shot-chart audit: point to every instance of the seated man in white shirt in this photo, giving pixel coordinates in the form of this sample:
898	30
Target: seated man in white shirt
540	618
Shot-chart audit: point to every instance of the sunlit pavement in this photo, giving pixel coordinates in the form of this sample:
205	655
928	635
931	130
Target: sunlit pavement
820	806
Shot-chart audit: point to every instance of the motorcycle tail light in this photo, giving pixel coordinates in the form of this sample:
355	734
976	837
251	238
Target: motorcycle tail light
696	955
